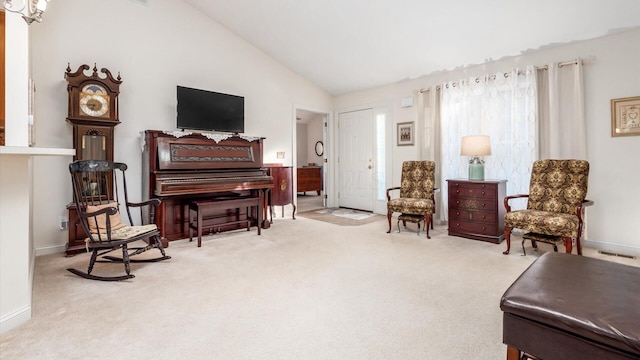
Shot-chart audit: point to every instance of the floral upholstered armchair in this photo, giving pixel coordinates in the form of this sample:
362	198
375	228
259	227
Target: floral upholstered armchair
555	204
416	199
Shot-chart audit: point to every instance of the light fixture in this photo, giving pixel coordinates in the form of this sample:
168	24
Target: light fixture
35	9
475	146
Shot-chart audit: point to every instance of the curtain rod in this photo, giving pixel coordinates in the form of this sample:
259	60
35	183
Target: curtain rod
546	67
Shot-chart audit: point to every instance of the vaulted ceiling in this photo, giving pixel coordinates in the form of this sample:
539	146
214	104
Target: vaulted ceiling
350	45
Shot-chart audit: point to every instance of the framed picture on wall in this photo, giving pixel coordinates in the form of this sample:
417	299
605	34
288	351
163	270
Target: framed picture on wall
406	133
625	116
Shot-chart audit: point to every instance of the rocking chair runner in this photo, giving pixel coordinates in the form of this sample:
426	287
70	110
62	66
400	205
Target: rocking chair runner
96	188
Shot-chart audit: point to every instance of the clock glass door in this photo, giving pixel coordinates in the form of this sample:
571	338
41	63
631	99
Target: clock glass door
94	147
94	142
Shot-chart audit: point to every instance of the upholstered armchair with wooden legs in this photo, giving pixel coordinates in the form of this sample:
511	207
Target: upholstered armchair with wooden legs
416	193
555	204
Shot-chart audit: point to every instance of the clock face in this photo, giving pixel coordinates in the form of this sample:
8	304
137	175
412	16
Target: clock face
94	101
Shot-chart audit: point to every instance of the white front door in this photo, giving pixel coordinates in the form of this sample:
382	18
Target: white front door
356	159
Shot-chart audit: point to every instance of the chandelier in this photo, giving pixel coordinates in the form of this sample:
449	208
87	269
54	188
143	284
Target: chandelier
35	9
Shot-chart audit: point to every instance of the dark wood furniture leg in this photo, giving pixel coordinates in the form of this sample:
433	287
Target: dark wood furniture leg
507	236
427	223
513	353
568	244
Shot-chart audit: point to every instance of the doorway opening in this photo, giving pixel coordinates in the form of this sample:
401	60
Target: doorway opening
310	169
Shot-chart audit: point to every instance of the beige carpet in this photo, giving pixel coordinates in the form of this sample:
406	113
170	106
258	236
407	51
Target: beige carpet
304	289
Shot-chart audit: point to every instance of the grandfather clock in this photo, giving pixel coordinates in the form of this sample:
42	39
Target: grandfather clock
93	113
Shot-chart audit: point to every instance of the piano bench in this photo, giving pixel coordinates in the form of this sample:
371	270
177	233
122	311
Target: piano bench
197	223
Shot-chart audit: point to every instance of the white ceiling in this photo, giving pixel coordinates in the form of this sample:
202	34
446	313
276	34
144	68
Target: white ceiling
349	45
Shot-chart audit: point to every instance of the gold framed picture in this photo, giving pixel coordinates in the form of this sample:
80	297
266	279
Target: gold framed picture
406	133
625	116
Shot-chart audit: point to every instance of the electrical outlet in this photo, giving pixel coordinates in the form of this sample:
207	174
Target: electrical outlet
64	223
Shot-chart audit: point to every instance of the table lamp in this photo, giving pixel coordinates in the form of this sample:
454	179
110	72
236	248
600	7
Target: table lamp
475	146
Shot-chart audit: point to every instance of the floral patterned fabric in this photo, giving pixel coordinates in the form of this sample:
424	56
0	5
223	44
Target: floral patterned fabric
556	191
416	189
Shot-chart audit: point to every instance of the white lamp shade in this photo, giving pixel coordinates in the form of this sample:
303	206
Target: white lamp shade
477	145
41	5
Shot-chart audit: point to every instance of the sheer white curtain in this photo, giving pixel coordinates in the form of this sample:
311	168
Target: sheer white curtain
429	115
504	107
561	112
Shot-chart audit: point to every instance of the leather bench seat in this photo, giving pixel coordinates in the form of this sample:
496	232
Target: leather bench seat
574	307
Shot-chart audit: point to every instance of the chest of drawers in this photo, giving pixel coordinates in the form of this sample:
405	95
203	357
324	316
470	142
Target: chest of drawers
309	179
476	209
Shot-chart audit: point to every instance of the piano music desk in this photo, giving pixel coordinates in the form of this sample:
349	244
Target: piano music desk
200	207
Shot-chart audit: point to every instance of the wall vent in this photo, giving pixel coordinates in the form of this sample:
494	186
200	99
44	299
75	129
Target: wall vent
141	2
616	254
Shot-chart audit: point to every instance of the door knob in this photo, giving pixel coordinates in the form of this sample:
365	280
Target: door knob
370	166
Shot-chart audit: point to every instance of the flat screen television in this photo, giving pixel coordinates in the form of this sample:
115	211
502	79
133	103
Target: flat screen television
211	111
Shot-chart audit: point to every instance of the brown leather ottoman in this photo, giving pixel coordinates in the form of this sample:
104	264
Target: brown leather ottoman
573	307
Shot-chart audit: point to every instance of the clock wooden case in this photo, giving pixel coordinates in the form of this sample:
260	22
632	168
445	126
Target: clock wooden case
93	113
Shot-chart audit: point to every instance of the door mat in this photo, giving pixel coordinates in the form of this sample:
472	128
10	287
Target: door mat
343	217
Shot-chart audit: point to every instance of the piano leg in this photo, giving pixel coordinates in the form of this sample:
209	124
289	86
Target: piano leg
159	221
262	212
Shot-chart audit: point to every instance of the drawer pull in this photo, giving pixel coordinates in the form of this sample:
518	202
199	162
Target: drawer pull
483	193
458	213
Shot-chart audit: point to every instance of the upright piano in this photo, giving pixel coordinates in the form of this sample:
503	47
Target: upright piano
179	167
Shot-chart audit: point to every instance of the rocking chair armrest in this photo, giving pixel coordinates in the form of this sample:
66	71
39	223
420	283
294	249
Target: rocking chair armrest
107	210
516	196
153	202
391	189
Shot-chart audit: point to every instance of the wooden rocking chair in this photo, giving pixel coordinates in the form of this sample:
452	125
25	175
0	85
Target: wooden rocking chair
96	188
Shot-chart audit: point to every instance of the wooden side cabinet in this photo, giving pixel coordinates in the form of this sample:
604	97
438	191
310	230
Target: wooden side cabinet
476	209
282	192
309	179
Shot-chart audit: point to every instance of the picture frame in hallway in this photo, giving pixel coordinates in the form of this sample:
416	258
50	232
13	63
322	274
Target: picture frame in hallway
406	133
625	116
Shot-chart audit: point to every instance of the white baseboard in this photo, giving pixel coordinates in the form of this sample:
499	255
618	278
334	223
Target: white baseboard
58	249
613	247
15	319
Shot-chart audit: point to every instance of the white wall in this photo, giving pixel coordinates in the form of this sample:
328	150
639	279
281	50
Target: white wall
301	144
613	72
154	48
314	134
